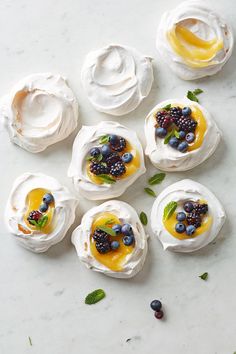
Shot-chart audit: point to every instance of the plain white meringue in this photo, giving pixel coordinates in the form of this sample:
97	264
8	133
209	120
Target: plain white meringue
63	217
81	239
165	157
204	23
39	111
116	78
87	138
183	191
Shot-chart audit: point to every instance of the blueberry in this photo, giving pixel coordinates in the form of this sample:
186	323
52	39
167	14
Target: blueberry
188	207
181	216
156	305
186	111
126	229
128	240
190	229
180	228
159	314
127	157
115	245
182	134
117	228
190	137
174	142
105	150
113	139
95	152
43	207
48	198
183	146
161	132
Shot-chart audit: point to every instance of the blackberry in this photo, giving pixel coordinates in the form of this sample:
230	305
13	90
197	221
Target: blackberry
186	124
118	144
34	215
113	158
201	209
163	119
98	168
103	247
118	169
194	219
100	236
175	113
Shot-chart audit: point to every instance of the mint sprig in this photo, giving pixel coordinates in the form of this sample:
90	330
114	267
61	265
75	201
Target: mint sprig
169	136
95	296
169	210
104	139
204	276
167	107
106	179
156	179
107	229
150	192
192	95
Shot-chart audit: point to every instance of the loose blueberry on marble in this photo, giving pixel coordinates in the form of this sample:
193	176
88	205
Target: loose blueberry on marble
174	142
115	245
161	132
183	146
127	157
188	207
95	152
43	207
186	111
117	228
128	240
48	198
105	150
156	305
180	228
181	216
190	137
127	230
190	230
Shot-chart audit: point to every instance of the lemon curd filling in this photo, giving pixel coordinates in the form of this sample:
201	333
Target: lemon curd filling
196	52
114	259
33	201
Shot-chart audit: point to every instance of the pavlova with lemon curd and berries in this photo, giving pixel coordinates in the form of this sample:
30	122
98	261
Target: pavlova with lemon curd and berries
106	159
194	40
39	111
180	135
186	216
111	240
39	211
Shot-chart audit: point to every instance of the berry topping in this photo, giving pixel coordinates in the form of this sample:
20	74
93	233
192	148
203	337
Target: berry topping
113	139
159	314
48	198
95	152
194	219
117	228
176	113
115	245
180	228
174	142
186	111
98	168
181	216
188	207
183	146
156	305
127	157
112	159
103	247
161	132
105	149
190	229
100	236
34	215
182	134
43	207
186	124
128	240
163	119
200	209
126	229
119	144
190	137
118	169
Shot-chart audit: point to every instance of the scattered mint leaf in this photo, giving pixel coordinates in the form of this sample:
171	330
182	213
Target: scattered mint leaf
128	340
150	192
169	210
169	136
197	91
94	297
106	179
107	229
204	276
143	218
167	107
156	179
30	341
191	96
104	139
176	133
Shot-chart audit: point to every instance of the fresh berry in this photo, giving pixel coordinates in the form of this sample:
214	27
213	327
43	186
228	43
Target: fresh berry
188	207
115	245
190	137
100	236
112	159
194	219
94	152
159	314
34	215
174	142
128	240
105	149
181	216
126	229
201	209
43	207
98	168
156	305
113	139
183	146
186	124
119	145
127	157
190	229
182	134
118	169
186	111
163	119
161	132
48	198
103	247
180	228
176	113
117	228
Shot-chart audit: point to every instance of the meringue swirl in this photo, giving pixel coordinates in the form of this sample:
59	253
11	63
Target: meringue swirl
39	111
116	78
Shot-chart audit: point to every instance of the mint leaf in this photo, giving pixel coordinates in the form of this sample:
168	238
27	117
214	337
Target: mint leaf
104	139
107	229
167	107
150	192
176	133
204	276
110	221
156	179
42	222
94	297
191	96
30	341
197	91
169	210
106	179
169	136
143	218
89	158
33	222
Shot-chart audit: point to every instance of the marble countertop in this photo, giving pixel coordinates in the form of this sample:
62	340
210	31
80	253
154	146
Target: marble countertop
42	296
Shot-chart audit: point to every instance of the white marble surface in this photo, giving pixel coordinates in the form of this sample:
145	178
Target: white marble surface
42	295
